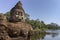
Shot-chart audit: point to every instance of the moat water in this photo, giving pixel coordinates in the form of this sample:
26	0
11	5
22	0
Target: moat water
48	35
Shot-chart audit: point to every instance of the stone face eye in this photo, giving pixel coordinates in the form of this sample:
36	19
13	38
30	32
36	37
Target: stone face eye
17	15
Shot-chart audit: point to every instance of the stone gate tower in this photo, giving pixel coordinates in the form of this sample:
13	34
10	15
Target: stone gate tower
17	13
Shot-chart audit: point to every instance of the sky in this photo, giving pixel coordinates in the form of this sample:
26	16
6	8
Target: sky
46	10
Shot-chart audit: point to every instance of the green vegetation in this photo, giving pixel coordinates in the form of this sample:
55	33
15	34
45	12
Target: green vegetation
37	24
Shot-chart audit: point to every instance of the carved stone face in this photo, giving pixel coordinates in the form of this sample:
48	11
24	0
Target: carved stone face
17	13
18	16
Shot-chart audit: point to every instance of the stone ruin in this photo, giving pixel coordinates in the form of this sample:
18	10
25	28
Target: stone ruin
16	28
17	13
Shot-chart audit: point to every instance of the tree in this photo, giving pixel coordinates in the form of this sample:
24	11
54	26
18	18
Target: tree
7	13
53	26
27	16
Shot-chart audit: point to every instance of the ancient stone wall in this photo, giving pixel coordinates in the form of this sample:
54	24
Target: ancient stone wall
10	30
13	30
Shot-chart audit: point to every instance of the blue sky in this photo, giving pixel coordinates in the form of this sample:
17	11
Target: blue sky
46	10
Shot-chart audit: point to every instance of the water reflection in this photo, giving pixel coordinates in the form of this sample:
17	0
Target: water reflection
38	35
46	36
